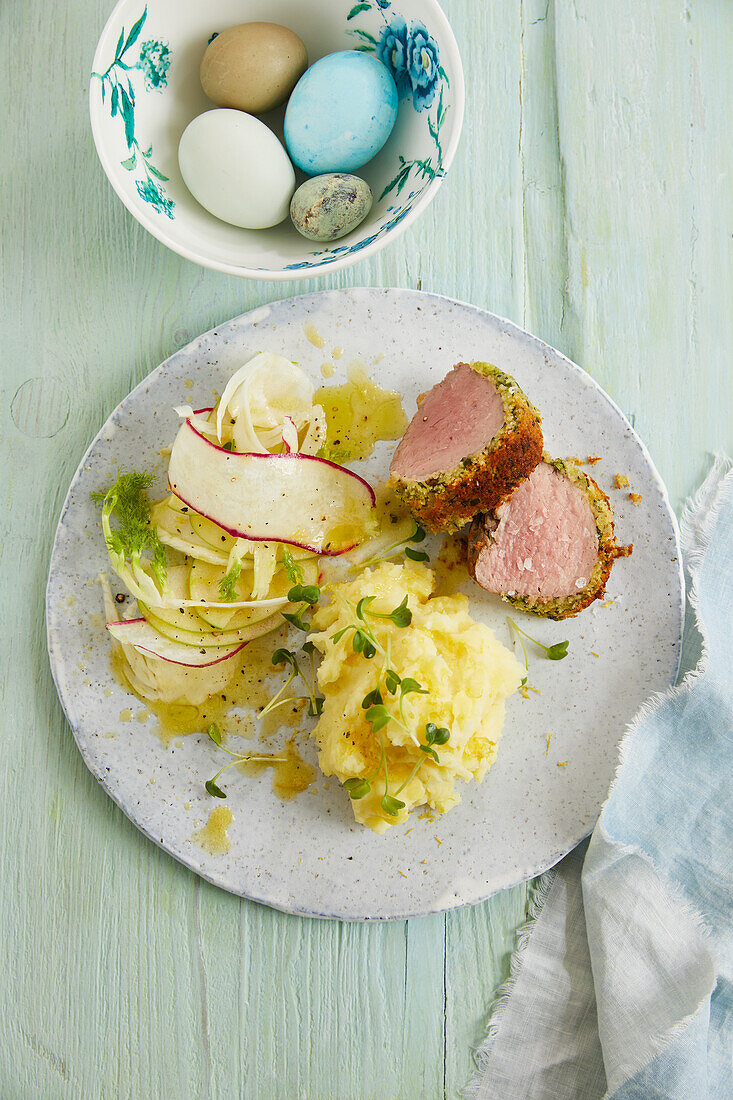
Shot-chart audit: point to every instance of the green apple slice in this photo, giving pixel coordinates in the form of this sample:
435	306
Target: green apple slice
204	580
143	637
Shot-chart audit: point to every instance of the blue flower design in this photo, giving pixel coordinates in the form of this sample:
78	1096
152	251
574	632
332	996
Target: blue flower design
334	254
392	51
413	57
155	61
423	66
155	195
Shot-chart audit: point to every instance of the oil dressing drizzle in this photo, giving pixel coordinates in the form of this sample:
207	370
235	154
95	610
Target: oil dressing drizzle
359	413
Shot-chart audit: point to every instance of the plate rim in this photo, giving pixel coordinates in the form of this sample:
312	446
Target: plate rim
190	864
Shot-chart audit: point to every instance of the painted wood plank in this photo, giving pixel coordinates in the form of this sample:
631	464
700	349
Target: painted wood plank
479	945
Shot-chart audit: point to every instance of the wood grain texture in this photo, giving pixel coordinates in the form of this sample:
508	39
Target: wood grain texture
591	202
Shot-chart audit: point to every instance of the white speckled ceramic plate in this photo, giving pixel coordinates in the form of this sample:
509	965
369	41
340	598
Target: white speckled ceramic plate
307	856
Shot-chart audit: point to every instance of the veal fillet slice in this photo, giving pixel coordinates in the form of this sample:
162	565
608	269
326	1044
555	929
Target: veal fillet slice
473	439
550	546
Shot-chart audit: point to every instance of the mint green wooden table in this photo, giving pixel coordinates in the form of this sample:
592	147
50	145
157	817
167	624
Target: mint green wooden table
590	202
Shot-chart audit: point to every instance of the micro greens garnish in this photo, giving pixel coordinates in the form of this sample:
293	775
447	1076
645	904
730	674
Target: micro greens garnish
247	758
401	616
434	735
392	805
315	702
416	555
282	657
228	583
294	572
373	698
554	652
377	713
307	595
378	716
364	640
127	501
287	657
391	680
296	620
418	535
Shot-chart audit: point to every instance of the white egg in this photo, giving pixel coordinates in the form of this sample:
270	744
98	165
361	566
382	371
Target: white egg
236	168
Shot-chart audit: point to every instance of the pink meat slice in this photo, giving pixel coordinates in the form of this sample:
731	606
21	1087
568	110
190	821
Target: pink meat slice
457	418
545	542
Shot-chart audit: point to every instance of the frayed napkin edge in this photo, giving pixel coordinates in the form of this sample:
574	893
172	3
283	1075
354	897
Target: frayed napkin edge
538	896
695	539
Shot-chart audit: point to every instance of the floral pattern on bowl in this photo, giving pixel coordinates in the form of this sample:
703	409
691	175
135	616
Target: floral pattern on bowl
413	58
141	97
153	61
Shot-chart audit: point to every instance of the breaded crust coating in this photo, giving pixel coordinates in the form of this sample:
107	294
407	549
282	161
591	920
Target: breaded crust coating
478	483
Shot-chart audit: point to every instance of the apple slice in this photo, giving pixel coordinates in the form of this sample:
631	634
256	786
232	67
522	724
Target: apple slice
211	534
206	636
175	529
293	498
145	639
204	582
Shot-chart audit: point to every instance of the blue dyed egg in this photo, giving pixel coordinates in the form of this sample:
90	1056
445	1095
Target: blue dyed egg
341	112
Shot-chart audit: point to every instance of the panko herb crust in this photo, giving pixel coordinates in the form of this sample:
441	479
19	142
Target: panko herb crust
479	482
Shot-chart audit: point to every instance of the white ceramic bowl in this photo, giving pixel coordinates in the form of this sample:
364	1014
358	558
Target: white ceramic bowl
145	89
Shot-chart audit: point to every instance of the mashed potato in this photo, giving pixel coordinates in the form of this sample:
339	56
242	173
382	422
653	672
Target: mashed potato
466	671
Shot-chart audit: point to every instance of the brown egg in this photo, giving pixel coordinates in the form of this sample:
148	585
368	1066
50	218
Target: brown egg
253	66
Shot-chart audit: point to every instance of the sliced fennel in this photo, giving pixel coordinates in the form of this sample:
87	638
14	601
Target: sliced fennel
257	399
160	680
257	509
190	548
204	582
141	584
289	435
174	524
267	407
317	433
133	536
265	559
210	533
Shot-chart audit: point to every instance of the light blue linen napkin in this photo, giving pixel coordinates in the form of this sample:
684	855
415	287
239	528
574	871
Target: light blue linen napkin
622	982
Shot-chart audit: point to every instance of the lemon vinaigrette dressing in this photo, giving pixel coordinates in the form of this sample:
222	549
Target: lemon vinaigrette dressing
291	774
359	413
313	335
449	565
253	683
180	719
213	836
